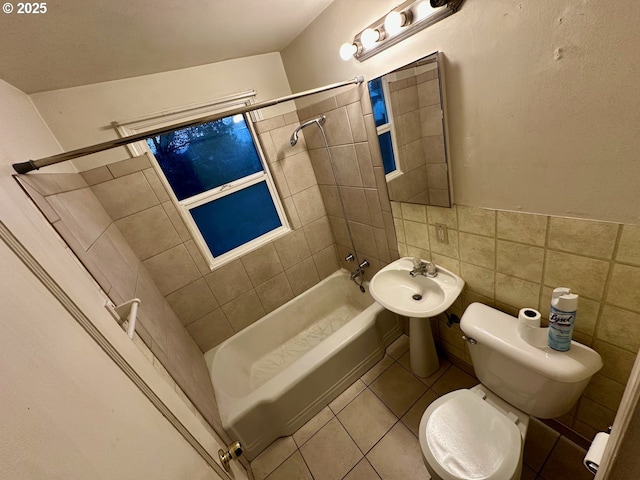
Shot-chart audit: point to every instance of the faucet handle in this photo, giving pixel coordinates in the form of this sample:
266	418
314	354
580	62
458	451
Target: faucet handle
417	262
432	269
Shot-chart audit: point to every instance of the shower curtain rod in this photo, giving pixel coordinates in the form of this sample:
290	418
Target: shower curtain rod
28	166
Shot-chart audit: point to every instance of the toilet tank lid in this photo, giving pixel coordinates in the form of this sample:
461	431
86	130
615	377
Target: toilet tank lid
499	331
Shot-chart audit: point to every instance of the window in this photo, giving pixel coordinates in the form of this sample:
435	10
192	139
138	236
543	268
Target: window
384	125
220	183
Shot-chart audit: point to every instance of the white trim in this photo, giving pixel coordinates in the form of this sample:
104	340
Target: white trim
627	413
195	108
147	122
390	127
393	175
223	190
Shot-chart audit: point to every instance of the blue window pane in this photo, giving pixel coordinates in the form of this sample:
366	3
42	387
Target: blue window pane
206	156
386	148
377	102
237	218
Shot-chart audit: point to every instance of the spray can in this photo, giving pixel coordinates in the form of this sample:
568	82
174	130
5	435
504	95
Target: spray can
564	305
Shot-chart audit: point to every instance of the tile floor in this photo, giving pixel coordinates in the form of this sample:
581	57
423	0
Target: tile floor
370	431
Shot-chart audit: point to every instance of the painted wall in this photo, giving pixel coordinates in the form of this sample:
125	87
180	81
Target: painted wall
48	387
543	113
82	116
542	118
512	260
67	410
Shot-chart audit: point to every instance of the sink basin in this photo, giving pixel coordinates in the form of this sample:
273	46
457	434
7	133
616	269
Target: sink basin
419	296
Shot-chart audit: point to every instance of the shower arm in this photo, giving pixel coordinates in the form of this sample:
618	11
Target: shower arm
30	165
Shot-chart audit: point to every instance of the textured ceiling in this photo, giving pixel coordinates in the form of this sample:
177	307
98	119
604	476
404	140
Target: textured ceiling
78	42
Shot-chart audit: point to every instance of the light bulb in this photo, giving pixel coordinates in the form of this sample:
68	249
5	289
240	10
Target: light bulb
369	37
348	50
424	10
394	22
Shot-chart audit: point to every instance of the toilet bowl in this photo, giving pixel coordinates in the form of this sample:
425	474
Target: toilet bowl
473	434
479	433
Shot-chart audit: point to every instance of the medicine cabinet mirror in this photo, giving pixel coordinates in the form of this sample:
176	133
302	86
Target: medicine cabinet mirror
409	112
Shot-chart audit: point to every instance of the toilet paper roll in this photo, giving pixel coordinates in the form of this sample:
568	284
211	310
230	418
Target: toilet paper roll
594	455
529	326
530	317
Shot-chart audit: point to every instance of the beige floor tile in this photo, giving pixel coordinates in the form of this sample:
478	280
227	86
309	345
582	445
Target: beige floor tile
405	361
412	418
345	397
272	457
377	370
293	468
307	431
367	420
565	461
331	453
453	379
362	471
398	389
538	444
430	380
399	347
527	473
398	456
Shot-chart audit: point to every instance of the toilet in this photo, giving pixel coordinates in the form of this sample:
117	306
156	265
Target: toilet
479	433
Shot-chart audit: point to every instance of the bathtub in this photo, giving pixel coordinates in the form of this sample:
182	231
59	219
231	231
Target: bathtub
275	375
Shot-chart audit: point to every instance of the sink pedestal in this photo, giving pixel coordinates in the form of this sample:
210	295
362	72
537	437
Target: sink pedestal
398	288
422	348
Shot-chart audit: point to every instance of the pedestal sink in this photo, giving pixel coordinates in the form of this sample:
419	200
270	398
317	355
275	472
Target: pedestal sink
418	297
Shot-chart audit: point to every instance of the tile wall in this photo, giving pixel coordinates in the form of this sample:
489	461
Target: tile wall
213	305
79	217
512	260
355	176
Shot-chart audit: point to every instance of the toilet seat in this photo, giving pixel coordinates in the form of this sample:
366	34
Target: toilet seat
463	437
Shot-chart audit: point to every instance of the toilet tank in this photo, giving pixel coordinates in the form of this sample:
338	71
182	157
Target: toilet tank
542	382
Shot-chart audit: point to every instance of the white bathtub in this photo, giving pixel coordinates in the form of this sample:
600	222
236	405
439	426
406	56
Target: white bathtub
273	376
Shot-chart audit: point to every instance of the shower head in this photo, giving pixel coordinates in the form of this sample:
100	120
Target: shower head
294	136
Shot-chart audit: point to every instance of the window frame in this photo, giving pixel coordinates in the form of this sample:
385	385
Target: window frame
390	127
193	112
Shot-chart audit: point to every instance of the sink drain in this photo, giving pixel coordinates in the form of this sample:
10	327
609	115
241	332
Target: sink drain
417	296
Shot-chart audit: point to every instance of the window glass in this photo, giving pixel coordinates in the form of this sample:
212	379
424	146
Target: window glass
197	159
377	102
237	218
223	189
386	148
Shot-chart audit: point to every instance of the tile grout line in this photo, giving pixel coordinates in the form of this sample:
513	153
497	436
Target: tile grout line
548	456
335	416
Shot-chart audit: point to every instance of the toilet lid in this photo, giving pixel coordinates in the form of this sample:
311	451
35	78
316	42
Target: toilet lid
463	437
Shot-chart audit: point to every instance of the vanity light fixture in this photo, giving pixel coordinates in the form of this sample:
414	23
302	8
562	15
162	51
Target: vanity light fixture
403	21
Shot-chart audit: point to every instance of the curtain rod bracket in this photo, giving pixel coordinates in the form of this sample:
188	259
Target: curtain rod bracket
25	167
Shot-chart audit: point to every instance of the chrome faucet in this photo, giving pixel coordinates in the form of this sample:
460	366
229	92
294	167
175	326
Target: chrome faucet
360	270
427	269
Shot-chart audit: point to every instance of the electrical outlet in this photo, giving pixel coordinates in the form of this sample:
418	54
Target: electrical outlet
442	233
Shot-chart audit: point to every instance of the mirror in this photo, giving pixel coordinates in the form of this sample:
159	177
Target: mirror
409	113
